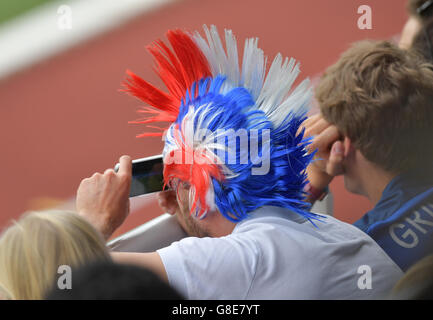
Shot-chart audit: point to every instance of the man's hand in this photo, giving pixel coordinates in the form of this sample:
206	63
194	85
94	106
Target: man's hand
330	151
103	199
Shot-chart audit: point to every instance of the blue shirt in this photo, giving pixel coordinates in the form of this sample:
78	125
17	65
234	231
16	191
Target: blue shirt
402	221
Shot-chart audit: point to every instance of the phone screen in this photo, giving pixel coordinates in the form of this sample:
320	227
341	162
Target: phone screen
147	175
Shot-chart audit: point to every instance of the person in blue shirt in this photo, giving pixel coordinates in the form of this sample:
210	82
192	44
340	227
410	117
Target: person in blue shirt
375	127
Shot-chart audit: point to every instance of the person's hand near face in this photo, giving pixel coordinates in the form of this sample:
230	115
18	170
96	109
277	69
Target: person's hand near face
328	160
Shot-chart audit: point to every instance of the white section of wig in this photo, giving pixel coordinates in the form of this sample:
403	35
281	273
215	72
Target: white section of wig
220	61
208	143
299	101
253	67
272	92
193	138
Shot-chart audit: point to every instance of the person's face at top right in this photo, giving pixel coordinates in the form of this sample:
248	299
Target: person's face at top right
410	29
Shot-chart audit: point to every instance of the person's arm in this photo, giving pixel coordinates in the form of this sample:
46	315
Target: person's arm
150	260
328	160
103	200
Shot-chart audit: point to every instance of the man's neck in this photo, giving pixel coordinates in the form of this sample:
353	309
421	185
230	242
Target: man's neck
216	225
374	182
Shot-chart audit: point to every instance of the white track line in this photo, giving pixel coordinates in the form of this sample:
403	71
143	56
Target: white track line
38	34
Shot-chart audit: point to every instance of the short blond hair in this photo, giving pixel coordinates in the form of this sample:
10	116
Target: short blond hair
33	248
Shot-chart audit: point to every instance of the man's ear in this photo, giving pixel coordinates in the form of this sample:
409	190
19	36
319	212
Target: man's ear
348	146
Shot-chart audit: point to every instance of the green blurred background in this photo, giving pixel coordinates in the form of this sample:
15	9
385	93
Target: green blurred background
12	9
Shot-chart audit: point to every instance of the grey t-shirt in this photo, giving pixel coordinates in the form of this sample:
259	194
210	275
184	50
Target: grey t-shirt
277	254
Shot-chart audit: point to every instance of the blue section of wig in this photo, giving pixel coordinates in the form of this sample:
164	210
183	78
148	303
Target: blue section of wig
244	192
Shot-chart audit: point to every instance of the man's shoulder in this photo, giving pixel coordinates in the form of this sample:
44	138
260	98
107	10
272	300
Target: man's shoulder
293	236
276	221
279	230
285	248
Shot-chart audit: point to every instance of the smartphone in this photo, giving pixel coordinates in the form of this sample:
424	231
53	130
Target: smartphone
147	175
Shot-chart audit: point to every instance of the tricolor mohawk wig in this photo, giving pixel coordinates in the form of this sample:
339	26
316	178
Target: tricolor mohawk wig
209	92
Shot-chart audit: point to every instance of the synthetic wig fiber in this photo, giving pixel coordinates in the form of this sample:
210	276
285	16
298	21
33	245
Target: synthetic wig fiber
234	135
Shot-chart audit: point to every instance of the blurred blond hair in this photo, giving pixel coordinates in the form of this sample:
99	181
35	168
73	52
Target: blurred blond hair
417	282
33	248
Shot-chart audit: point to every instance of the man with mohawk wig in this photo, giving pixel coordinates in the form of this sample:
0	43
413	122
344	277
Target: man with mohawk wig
251	234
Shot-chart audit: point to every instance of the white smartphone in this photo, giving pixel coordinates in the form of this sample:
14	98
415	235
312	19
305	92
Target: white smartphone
147	175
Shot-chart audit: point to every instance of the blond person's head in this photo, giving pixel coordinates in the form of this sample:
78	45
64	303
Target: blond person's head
417	282
33	248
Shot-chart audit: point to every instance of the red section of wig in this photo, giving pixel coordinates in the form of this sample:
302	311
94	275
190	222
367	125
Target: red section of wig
198	173
178	68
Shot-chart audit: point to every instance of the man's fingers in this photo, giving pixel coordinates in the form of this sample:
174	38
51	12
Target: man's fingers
324	140
329	136
109	172
125	165
334	166
317	128
308	122
96	175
